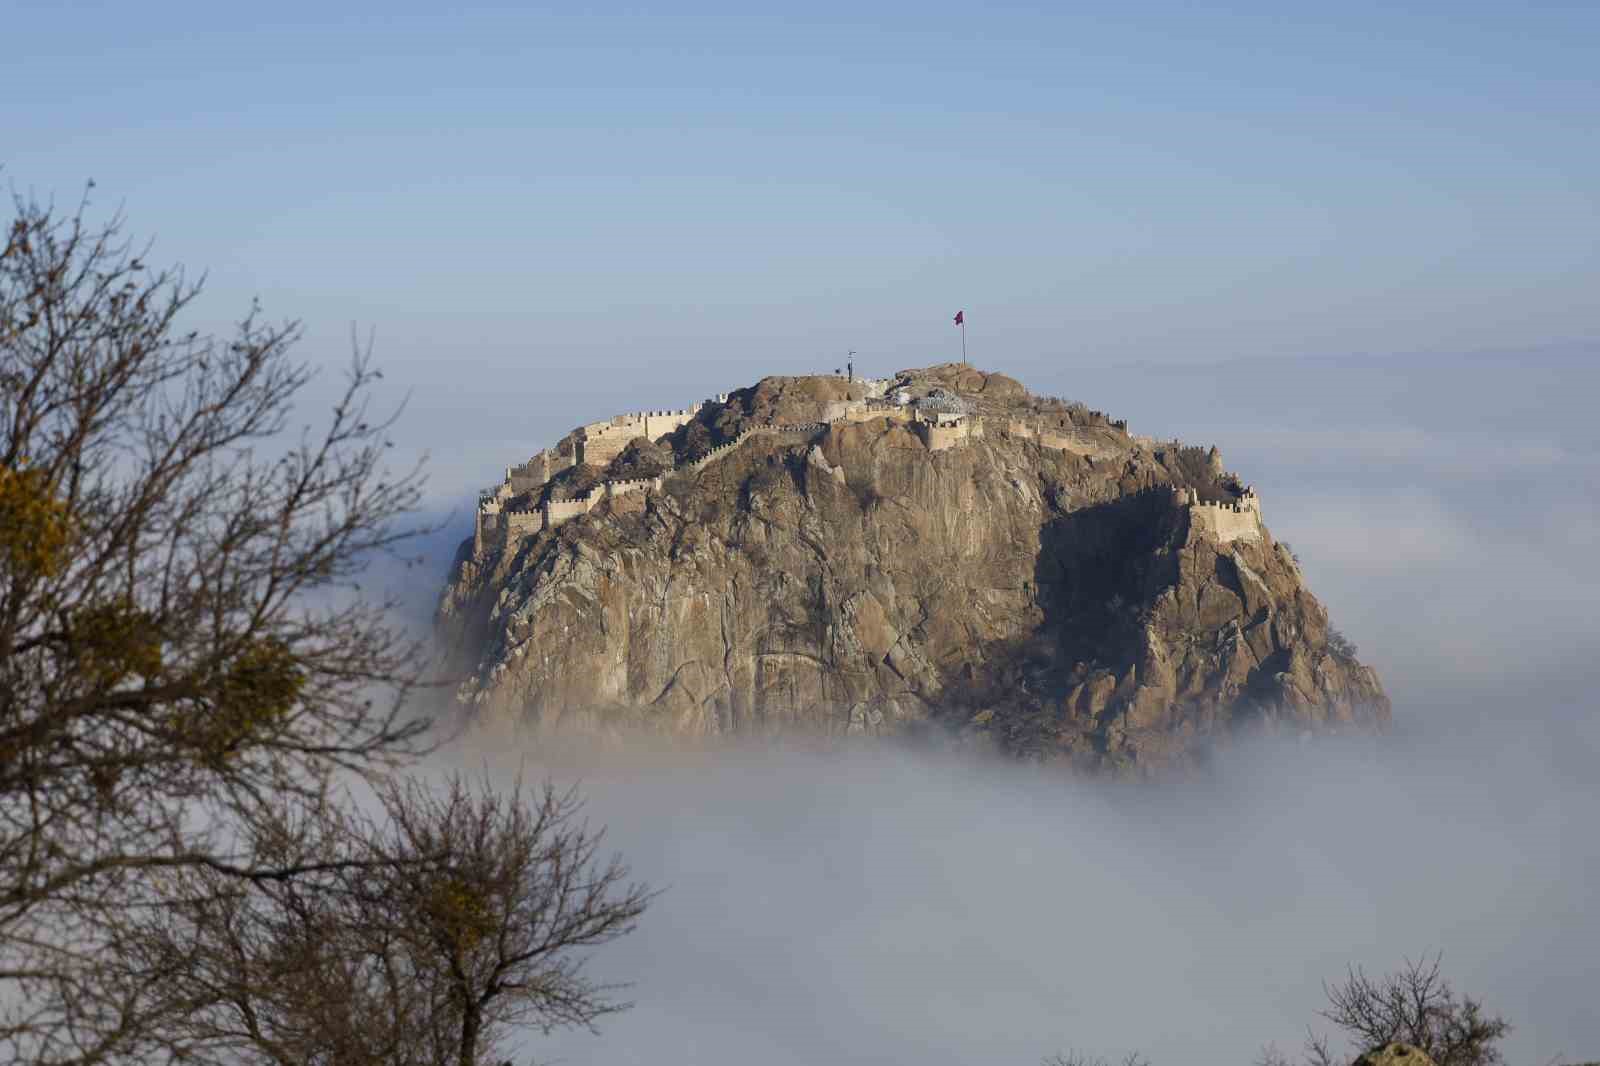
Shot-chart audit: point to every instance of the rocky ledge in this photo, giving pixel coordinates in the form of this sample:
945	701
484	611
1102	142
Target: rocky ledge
938	553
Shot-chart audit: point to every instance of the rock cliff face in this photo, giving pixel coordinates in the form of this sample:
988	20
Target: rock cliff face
974	562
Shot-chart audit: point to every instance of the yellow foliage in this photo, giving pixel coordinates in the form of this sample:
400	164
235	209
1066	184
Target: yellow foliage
460	912
258	689
35	527
114	642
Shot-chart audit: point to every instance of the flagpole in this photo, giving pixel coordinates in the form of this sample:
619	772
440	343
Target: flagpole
963	340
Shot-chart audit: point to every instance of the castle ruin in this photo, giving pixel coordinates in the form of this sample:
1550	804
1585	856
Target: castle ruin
940	420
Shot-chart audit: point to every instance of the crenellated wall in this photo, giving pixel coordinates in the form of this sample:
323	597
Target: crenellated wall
537	470
632	485
1070	440
597	443
559	511
1056	435
942	430
523	523
597	446
486	528
1225	522
867	410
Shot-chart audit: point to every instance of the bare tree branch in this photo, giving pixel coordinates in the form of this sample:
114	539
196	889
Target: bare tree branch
1414	1005
434	931
179	649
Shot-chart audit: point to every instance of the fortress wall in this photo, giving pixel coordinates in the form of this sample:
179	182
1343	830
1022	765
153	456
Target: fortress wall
534	473
1063	438
485	530
529	476
708	458
1069	441
801	429
939	436
1226	522
658	424
842	410
593	442
870	410
522	524
597	443
601	449
716	453
559	511
632	485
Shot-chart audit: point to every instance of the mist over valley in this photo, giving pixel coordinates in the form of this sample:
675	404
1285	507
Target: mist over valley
886	903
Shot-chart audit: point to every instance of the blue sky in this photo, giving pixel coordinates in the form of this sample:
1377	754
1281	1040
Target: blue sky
508	186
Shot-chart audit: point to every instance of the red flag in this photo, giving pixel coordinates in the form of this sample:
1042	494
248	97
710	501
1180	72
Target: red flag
960	320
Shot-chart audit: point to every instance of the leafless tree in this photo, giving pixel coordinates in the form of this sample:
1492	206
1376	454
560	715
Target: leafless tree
438	929
1271	1056
164	677
1079	1058
1414	1005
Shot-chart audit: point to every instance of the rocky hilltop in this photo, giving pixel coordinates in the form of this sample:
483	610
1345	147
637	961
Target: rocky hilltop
937	552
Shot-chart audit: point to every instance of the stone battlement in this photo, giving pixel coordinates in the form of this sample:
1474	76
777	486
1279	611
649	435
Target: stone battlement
537	470
597	443
940	429
635	484
558	511
1225	521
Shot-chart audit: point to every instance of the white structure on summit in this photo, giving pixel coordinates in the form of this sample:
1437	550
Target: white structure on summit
940	419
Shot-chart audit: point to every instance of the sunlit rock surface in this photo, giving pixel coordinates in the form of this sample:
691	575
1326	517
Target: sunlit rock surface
937	554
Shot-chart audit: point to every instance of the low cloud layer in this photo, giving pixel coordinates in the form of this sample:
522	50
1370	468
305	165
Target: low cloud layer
879	907
884	906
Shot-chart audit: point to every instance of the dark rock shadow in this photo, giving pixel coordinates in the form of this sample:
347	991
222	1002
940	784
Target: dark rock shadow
1098	571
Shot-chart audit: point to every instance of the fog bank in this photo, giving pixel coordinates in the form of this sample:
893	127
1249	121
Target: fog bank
883	906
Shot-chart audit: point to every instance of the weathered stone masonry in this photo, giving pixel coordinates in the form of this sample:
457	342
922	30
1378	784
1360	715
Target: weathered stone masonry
497	526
